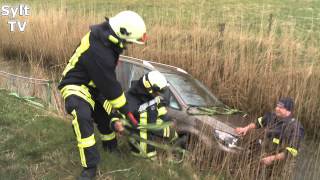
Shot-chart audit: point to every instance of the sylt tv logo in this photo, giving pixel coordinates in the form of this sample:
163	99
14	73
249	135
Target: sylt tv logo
13	12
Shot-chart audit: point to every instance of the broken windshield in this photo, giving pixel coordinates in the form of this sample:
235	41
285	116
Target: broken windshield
193	92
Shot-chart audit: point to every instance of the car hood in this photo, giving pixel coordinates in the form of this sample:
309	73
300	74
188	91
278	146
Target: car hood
204	126
225	123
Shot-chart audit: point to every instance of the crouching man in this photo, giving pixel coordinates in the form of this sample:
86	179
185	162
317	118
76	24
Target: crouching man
149	109
283	134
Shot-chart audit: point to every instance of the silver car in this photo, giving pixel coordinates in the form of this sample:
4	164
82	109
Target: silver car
190	104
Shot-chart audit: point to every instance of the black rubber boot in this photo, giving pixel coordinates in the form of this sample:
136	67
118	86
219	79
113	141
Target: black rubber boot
88	174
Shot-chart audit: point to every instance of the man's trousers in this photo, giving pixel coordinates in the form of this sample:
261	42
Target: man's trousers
84	117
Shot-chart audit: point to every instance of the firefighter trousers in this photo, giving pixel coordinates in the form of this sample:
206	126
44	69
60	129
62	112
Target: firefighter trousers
84	117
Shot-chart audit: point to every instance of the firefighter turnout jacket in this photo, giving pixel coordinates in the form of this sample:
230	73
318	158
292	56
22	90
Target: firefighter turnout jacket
91	69
148	110
283	134
89	72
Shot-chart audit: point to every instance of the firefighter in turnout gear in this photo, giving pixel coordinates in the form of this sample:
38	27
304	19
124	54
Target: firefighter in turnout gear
283	135
90	72
149	108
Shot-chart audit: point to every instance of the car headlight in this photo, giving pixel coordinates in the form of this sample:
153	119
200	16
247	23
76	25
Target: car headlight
226	139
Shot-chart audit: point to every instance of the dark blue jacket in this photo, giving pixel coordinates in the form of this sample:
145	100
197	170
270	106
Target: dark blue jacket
284	133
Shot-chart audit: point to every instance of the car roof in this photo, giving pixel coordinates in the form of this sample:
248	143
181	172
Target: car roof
163	68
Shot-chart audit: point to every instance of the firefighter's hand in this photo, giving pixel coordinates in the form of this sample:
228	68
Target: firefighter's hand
267	160
118	126
242	131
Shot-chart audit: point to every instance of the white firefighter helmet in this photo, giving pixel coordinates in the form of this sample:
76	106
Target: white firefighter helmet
154	81
130	26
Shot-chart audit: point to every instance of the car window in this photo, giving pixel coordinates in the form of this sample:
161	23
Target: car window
173	103
170	99
192	91
138	72
127	72
124	74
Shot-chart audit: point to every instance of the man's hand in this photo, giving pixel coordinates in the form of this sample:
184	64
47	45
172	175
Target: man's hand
242	131
267	160
118	126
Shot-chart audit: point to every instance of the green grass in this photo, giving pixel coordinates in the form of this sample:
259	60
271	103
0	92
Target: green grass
37	145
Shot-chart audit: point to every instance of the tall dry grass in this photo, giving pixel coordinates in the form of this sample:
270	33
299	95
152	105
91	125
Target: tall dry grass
249	71
246	164
245	68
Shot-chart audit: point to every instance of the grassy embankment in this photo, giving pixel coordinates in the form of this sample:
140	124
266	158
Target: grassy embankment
249	58
35	144
246	56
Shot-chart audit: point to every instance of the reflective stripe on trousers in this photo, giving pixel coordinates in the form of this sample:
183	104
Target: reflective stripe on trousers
80	91
82	142
143	132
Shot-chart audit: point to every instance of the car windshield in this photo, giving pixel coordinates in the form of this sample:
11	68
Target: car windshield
193	92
